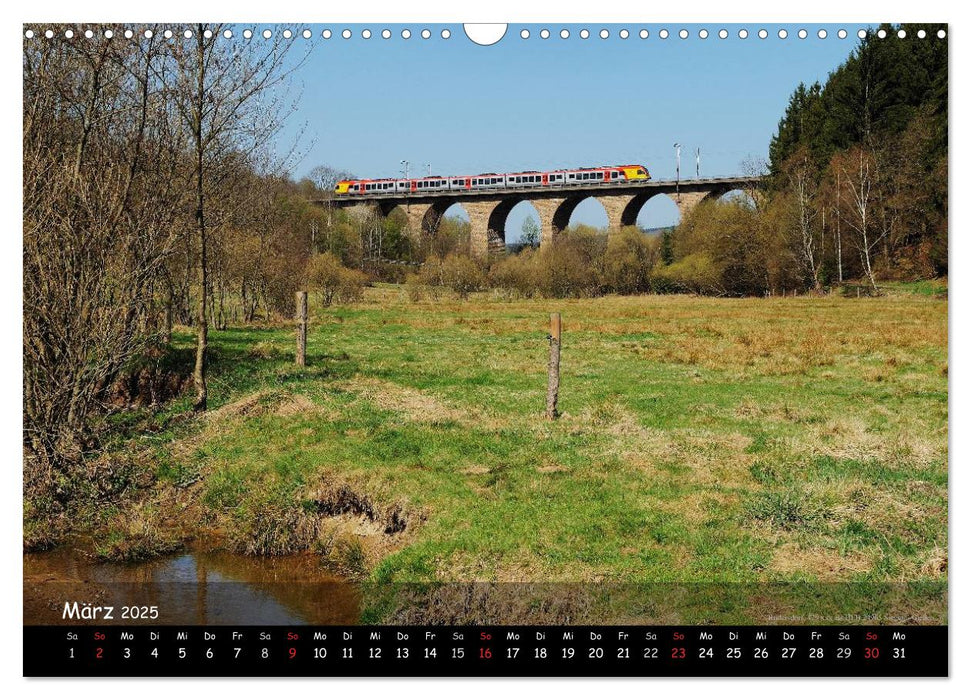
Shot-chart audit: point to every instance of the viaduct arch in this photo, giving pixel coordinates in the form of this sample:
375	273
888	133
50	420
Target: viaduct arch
489	210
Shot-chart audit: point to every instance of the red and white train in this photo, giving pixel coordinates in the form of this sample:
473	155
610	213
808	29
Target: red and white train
608	174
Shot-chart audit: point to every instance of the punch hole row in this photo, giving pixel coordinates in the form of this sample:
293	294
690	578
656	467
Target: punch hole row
446	33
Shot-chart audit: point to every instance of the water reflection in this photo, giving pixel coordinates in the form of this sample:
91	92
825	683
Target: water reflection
194	588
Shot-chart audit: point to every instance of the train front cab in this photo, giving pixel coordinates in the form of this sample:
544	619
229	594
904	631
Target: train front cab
342	187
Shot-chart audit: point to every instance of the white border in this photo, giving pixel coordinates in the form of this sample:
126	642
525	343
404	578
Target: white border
754	12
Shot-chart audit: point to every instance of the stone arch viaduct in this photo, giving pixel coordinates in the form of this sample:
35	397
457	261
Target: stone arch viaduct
488	210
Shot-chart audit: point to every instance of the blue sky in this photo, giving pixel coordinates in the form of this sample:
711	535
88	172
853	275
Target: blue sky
539	104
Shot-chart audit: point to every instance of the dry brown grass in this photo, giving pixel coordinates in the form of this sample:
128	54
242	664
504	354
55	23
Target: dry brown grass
414	405
825	565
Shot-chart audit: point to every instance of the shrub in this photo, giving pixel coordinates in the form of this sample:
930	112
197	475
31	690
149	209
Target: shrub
416	288
629	261
696	273
334	282
459	273
518	274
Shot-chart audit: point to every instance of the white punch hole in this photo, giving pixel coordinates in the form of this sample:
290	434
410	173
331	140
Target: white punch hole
485	34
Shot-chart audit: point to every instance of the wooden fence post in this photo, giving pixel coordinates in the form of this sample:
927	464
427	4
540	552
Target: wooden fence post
301	329
553	372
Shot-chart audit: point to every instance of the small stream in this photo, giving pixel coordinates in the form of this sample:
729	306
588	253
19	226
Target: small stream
191	588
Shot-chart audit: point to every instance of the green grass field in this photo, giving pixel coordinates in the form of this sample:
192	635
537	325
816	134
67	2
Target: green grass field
702	440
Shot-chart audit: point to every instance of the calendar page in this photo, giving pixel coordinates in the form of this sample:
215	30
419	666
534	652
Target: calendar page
545	349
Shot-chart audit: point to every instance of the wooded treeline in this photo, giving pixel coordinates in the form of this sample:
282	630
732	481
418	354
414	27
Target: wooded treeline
860	162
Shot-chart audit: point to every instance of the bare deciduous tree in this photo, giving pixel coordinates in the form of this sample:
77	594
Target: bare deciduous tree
805	212
858	205
229	102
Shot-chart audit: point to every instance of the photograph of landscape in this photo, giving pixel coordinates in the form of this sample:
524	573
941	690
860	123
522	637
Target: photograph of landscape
368	325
